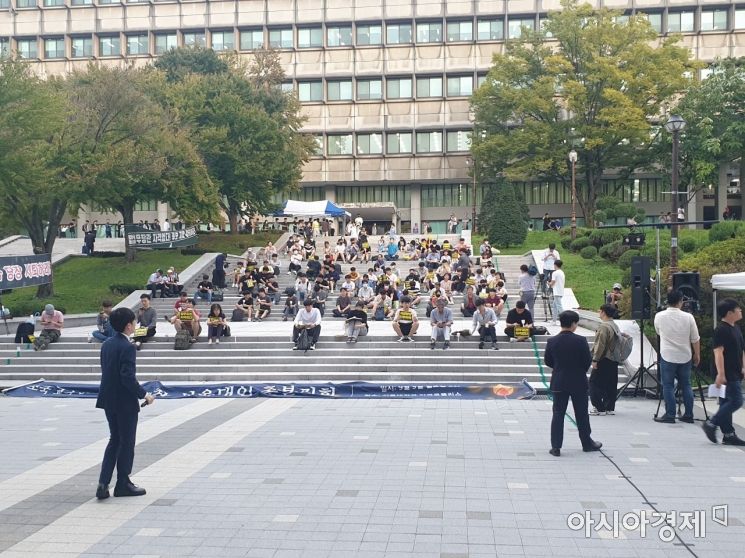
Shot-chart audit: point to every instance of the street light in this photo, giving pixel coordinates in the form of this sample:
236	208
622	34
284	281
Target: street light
573	160
472	163
674	125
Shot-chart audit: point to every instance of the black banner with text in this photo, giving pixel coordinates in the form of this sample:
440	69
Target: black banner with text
25	271
141	238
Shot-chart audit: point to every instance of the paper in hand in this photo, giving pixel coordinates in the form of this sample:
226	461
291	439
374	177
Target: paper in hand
715	391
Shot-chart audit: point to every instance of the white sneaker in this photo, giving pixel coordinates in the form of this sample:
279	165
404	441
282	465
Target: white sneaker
401	339
595	412
610	412
90	338
209	342
217	341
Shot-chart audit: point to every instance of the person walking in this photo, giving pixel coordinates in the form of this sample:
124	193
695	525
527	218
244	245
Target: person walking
604	374
568	355
526	283
118	395
557	285
680	349
729	362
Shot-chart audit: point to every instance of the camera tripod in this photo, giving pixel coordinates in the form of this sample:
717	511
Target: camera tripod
546	294
696	376
638	377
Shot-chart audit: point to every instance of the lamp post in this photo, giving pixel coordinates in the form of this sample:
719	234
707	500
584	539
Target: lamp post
472	163
573	161
674	125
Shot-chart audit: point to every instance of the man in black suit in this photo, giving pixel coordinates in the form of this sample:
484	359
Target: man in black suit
568	354
119	396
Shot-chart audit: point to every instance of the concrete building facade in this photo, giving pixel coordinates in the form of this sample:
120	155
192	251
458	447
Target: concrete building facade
385	84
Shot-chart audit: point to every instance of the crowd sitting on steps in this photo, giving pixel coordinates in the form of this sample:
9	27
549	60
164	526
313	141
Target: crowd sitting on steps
419	275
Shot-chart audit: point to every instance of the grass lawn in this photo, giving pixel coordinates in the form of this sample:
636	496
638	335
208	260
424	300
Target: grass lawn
80	284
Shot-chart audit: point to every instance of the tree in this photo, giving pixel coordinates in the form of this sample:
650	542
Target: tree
180	62
126	147
504	215
715	112
247	130
610	207
586	81
32	115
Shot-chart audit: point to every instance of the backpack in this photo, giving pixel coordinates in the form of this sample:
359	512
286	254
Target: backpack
532	270
379	314
303	341
218	296
182	341
622	346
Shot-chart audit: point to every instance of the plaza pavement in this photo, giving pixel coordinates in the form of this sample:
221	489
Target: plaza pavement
359	478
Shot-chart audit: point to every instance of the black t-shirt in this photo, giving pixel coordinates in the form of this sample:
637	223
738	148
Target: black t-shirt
730	338
205	286
520	319
357	314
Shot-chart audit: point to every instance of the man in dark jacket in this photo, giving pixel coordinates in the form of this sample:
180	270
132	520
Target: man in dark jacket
119	396
568	355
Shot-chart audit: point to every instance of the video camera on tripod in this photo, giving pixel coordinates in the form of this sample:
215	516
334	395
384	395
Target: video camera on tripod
689	284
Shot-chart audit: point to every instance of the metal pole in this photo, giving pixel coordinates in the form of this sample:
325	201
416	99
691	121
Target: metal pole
674	213
657	277
473	202
574	200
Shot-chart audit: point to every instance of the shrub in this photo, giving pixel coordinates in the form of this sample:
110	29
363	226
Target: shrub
579	243
726	230
601	237
106	255
588	252
124	289
624	262
612	251
566	242
687	244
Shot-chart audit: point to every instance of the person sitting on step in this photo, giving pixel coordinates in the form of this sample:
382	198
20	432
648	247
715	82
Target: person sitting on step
265	305
103	327
365	293
343	304
147	320
356	323
291	307
215	324
405	321
307	318
204	290
244	309
186	317
485	320
52	322
441	319
519	318
469	302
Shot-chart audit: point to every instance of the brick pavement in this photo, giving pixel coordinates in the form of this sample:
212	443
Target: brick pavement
356	478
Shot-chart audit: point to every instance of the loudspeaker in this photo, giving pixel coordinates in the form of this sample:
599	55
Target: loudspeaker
689	284
641	304
634	240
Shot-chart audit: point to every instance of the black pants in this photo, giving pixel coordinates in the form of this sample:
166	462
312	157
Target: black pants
120	450
155	287
313	334
561	402
487	333
603	385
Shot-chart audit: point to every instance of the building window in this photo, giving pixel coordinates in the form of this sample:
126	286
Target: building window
109	46
339	90
137	44
54	48
26	4
449	195
27	48
655	20
252	40
223	40
339	36
4	4
146	205
165	42
280	38
309	91
369	89
398	33
459	141
515	26
318	138
82	47
429	32
460	31
369	144
52	3
400	196
713	20
398	142
287	86
339	144
460	86
369	35
740	19
4	47
195	40
429	142
108	1
398	88
429	87
480	80
491	29
310	37
679	22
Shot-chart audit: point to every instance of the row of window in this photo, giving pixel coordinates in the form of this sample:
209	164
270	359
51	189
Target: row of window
396	143
394	88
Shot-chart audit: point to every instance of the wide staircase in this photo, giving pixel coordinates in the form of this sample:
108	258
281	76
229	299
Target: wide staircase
261	351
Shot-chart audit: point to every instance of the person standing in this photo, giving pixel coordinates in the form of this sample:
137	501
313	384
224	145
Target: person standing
604	374
557	284
729	362
568	355
678	334
526	283
550	255
119	396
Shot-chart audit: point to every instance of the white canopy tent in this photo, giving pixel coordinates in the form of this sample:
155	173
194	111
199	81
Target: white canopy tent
294	208
726	282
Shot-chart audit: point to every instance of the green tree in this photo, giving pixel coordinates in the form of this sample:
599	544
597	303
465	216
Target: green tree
610	207
125	147
504	215
180	62
32	114
247	130
715	112
585	81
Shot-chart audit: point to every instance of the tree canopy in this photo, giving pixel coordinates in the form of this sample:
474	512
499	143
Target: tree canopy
587	81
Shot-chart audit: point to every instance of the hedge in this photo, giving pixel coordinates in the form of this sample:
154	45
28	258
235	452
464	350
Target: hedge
588	252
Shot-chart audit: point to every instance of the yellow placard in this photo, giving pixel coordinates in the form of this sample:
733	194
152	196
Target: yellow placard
141	332
186	315
522	331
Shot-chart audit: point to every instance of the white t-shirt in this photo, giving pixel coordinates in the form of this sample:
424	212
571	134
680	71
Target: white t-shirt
677	331
166	226
549	259
308	318
558	279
